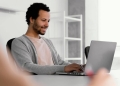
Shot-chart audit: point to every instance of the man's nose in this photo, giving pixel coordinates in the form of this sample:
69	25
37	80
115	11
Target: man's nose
47	24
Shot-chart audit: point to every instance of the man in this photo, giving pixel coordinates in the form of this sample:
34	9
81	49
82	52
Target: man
37	54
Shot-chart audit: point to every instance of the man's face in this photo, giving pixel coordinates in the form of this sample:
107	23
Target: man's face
41	24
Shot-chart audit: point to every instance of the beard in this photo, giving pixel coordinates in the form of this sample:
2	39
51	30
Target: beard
38	28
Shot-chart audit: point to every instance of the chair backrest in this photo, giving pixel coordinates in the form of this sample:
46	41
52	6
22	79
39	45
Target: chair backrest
87	51
9	43
8	47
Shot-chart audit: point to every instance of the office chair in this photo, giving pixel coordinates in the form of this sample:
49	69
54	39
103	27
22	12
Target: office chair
87	51
8	48
9	43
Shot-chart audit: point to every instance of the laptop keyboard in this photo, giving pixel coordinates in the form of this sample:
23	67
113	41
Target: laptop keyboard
74	73
77	73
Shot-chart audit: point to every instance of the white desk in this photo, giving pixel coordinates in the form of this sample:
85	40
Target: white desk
61	80
64	80
116	76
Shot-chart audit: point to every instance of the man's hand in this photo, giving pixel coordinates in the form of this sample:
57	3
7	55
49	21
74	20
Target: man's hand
73	67
102	78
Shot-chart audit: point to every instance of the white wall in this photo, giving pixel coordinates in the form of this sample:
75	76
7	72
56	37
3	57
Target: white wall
91	21
109	22
13	24
22	5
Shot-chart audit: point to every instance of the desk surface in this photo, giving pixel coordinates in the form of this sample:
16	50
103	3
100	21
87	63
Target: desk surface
65	80
61	80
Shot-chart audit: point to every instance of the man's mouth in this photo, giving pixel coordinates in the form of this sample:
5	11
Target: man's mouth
44	29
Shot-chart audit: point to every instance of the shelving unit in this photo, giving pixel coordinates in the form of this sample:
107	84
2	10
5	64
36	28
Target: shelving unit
59	33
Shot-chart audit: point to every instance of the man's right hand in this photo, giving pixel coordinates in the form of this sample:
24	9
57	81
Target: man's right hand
72	67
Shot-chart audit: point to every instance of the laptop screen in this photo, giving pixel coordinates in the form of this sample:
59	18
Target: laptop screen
100	55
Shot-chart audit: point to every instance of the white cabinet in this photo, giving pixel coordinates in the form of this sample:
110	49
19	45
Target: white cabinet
67	40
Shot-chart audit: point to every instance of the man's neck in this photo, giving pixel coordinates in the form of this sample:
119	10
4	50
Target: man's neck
31	33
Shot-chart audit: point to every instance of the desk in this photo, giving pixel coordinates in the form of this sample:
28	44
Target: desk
116	75
61	80
64	80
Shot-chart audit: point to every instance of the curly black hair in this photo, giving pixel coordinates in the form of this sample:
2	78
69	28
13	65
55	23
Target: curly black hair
33	11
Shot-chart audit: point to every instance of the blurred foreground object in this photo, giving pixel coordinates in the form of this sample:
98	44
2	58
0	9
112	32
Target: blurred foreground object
102	78
10	75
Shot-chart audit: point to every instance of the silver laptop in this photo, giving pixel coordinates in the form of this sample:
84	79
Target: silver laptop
100	55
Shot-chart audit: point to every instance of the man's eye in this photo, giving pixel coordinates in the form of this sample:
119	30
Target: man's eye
43	20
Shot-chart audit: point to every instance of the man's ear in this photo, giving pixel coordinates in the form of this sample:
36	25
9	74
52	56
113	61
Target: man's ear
31	20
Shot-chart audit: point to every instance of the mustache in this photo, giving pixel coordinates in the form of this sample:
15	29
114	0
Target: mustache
44	27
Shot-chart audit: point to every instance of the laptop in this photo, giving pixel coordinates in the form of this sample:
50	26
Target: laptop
100	55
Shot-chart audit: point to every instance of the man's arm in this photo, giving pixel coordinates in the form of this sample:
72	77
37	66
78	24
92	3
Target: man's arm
23	58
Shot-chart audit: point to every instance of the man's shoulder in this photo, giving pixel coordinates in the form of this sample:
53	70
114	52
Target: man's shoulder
22	38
